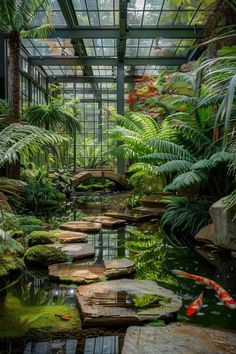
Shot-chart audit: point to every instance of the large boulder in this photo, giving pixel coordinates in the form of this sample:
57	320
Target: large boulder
206	234
225	227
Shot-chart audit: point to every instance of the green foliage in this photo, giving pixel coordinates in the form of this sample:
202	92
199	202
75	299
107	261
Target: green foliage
40	190
38	297
15	16
185	216
52	117
44	256
25	140
61	179
42	237
133	199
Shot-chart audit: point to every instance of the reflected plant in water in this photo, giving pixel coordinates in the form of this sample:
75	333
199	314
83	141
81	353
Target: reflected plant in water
31	295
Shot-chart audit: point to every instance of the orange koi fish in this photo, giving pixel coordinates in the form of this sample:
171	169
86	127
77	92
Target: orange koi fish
63	318
222	294
195	306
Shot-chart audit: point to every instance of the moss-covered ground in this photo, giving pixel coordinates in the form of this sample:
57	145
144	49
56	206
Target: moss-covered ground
18	320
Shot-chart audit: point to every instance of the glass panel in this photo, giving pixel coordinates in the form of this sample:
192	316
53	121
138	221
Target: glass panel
184	18
167	17
134	18
136	4
153	4
82	18
151	18
105	4
94	20
106	18
79	4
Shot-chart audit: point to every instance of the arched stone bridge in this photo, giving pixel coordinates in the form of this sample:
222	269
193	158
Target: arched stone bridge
108	174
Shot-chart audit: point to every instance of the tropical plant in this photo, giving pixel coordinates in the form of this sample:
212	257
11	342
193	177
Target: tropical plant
51	117
19	139
90	154
185	216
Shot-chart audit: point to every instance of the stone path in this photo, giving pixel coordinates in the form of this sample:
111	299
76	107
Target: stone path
76	250
106	221
126	301
71	237
76	273
81	226
179	338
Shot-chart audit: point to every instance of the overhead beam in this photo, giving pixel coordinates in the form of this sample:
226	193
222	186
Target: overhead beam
98	32
84	79
72	61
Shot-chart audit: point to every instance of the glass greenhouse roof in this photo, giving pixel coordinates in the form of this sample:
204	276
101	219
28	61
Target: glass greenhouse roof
92	37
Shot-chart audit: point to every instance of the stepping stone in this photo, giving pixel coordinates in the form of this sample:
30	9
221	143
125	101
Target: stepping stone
130	216
106	221
126	301
102	345
119	267
76	250
154	200
178	338
81	274
72	237
81	226
75	273
153	211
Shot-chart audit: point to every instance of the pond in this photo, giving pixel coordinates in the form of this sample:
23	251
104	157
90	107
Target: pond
32	302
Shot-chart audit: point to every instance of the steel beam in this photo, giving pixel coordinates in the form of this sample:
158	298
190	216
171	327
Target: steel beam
120	109
85	79
163	31
72	61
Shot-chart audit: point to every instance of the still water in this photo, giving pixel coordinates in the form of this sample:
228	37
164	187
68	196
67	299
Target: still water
154	255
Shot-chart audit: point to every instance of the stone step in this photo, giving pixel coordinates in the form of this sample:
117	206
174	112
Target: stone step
79	274
154	211
106	221
126	301
130	216
72	237
76	250
179	338
154	200
81	226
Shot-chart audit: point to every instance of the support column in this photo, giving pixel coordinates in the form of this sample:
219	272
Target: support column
3	68
120	108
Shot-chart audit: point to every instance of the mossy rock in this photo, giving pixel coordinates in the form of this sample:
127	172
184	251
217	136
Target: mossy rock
10	268
44	256
42	237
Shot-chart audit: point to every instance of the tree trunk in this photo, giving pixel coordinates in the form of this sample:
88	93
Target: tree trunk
14	90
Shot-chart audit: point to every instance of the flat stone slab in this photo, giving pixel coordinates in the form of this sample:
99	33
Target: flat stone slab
179	338
131	216
153	211
126	301
79	274
81	226
154	200
75	273
76	250
118	267
72	237
106	221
